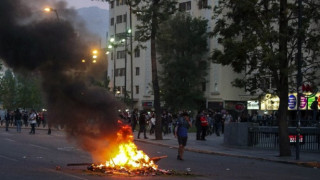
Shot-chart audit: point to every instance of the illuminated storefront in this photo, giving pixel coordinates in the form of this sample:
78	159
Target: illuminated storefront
271	102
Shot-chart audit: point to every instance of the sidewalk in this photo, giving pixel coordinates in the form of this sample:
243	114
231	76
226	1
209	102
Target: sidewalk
214	145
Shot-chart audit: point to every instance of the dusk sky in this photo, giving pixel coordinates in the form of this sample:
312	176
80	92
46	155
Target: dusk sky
87	3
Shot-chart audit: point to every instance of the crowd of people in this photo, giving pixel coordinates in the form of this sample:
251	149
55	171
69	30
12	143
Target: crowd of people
20	118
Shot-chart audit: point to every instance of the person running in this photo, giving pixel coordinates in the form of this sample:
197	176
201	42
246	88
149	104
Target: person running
181	132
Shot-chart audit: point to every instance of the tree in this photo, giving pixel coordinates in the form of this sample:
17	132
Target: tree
182	59
259	39
8	90
151	14
29	93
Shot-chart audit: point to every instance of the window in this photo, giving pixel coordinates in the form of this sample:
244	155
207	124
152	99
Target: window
137	89
121	2
203	86
137	71
137	52
112	21
121	54
120	72
138	17
111	4
123	90
186	6
203	4
137	35
125	18
116	72
119	19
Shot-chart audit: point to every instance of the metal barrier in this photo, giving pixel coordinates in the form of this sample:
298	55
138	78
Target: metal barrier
267	137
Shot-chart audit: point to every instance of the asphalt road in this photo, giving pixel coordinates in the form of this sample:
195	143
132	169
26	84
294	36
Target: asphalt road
42	156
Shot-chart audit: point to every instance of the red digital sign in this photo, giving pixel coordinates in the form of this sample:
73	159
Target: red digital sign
293	138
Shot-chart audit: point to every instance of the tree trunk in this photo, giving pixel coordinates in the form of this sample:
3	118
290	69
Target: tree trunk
283	81
155	82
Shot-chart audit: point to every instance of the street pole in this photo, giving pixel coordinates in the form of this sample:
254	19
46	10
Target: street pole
57	14
131	58
299	78
125	61
114	60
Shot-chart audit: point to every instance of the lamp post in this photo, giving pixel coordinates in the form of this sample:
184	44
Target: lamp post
113	43
49	9
131	57
299	78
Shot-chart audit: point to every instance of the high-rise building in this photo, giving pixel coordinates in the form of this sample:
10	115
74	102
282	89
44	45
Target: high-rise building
133	74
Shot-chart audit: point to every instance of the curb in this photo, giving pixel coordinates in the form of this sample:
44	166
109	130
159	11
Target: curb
312	164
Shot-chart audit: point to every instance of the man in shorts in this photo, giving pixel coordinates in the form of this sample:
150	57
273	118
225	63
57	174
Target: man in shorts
181	132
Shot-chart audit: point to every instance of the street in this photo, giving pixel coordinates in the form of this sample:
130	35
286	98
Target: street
42	156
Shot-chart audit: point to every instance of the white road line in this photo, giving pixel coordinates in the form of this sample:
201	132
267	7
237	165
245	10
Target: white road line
41	147
69	175
11	159
11	140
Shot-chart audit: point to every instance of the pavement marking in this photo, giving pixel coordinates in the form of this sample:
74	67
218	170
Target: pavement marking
66	148
41	147
69	175
11	140
11	159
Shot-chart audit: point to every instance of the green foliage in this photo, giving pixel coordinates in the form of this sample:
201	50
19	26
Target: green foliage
249	32
184	68
8	90
20	92
29	93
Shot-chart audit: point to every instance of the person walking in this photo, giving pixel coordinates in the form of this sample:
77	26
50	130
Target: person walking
152	124
33	121
218	121
17	118
198	124
134	119
7	118
142	124
181	133
314	107
204	126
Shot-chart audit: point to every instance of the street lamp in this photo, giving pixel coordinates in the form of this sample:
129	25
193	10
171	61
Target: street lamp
49	9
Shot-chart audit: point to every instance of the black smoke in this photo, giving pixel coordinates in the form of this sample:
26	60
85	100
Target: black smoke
33	41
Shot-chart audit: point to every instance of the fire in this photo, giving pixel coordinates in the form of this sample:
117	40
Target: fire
127	156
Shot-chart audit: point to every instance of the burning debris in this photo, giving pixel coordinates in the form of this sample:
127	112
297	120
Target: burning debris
127	159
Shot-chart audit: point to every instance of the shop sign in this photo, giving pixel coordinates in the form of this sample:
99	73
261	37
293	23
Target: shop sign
253	105
147	104
292	101
239	107
305	102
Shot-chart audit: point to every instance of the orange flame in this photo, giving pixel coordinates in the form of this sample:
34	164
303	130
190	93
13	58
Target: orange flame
127	156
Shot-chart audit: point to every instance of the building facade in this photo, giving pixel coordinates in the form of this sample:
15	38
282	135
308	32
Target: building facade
133	74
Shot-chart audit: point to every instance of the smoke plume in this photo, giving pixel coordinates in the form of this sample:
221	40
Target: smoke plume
53	48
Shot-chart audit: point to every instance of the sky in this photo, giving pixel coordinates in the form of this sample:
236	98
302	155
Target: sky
87	3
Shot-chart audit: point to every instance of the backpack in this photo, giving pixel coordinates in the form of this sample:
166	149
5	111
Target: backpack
204	121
